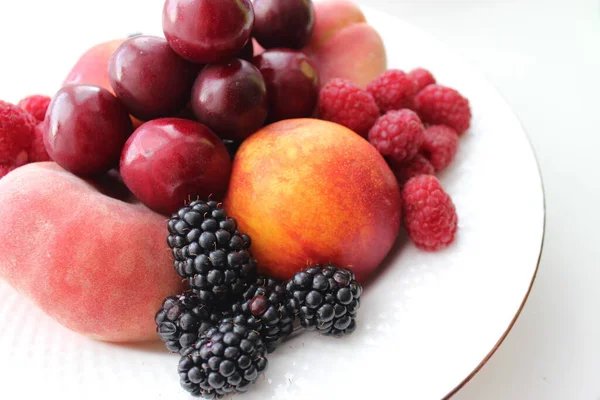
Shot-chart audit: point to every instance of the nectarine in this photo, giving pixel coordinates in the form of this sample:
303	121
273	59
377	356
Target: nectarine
310	191
96	264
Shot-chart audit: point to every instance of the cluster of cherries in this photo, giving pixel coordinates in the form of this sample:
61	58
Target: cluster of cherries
197	88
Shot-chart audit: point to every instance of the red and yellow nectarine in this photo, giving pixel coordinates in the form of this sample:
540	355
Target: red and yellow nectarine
309	191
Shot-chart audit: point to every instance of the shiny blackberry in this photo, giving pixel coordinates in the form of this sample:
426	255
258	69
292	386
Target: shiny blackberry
209	251
326	299
228	358
182	319
264	303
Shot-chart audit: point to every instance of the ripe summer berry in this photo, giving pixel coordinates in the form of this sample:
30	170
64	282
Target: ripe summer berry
422	78
210	252
418	165
37	151
397	135
429	213
264	305
36	105
326	299
440	105
16	134
393	90
182	319
440	145
345	103
227	359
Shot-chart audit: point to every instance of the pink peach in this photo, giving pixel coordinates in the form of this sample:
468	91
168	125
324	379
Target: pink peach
356	53
330	18
97	264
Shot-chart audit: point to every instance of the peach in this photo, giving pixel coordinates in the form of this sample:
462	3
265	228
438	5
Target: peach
96	264
344	45
92	66
331	17
309	191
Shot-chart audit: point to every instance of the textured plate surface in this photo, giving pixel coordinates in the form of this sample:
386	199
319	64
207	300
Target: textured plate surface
425	324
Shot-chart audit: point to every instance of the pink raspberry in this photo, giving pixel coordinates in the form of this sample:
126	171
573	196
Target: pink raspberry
440	144
397	135
419	165
16	134
36	105
343	102
429	213
393	90
37	152
440	105
422	78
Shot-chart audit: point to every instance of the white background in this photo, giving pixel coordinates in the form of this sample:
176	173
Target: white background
544	57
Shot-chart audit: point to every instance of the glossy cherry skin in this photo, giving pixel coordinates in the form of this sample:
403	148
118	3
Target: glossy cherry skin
207	31
292	83
168	161
149	78
85	129
231	99
283	23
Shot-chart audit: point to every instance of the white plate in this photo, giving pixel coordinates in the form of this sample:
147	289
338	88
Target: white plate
425	325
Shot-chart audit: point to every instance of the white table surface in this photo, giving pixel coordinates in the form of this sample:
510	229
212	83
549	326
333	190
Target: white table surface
544	57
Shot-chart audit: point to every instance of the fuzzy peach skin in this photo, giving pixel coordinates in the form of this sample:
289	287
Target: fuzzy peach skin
309	191
331	17
344	45
97	265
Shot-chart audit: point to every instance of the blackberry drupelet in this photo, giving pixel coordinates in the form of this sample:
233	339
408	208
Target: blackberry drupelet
264	303
182	319
209	251
227	358
326	299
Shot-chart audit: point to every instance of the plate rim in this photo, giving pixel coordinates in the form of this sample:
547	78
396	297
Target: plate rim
371	9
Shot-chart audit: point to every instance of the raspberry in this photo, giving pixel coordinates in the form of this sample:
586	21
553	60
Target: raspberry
343	102
37	151
16	134
422	78
438	104
429	214
36	105
440	144
419	165
398	135
393	90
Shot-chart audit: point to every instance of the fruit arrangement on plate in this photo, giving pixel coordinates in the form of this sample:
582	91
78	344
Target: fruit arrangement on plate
270	147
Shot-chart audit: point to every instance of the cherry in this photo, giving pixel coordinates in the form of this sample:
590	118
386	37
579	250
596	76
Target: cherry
149	78
283	23
170	161
85	129
292	83
207	31
231	99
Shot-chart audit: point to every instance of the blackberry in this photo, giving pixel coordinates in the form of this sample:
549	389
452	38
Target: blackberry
264	303
326	299
228	358
209	251
182	319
